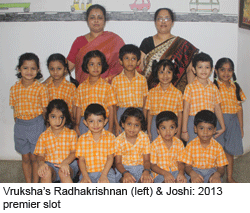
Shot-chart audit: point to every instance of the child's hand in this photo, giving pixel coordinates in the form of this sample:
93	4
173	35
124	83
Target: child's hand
146	177
168	178
196	178
242	132
103	179
181	178
65	168
43	170
118	130
218	133
150	135
215	178
185	136
128	178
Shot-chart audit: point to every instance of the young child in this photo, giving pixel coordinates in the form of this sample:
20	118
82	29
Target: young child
231	96
94	90
199	95
95	149
130	87
29	99
59	87
163	97
56	146
204	157
132	149
166	150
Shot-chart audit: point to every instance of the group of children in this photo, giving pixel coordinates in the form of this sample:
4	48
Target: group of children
121	132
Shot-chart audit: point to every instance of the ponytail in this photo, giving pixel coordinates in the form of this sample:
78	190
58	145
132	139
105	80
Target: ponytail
238	89
215	80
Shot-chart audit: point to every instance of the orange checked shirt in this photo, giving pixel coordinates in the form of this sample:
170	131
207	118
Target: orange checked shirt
95	153
132	154
229	102
204	158
101	92
200	97
130	93
56	148
159	100
166	158
65	91
28	102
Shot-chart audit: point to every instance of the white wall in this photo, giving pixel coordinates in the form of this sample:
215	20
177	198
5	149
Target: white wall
45	38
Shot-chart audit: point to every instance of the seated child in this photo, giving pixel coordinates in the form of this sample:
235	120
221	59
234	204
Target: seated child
166	150
129	86
57	145
95	148
204	157
132	149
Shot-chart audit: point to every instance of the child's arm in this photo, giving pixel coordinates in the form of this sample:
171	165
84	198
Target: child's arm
240	118
195	177
215	178
143	108
118	129
146	177
104	176
83	169
178	134
127	177
219	115
78	120
168	177
150	118
186	110
111	118
181	175
44	112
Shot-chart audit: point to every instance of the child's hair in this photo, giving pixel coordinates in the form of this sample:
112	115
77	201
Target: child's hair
29	57
59	57
96	6
205	116
94	54
219	65
130	48
63	107
134	112
203	57
94	109
164	63
166	116
171	13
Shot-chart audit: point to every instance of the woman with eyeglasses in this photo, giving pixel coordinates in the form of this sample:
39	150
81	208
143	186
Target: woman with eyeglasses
164	45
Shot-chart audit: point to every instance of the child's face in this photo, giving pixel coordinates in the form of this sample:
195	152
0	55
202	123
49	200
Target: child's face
129	62
205	131
225	73
95	67
95	123
29	70
203	70
132	127
56	120
165	76
167	130
57	70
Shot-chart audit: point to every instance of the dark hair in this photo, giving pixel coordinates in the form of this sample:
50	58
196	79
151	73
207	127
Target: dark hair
205	116
165	63
166	116
63	107
29	57
218	65
94	54
95	109
130	48
59	57
96	6
171	13
203	57
133	112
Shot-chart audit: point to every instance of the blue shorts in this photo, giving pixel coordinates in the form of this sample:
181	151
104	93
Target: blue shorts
160	178
83	128
94	176
205	173
26	134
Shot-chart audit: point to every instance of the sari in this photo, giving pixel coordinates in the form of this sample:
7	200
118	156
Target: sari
109	44
175	48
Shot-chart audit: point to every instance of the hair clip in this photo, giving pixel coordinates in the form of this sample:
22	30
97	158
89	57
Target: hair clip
173	61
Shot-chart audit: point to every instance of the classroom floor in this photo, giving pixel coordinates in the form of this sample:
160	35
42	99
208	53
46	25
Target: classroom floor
11	171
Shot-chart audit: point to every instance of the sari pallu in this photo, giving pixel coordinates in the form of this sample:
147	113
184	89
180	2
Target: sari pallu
174	48
109	44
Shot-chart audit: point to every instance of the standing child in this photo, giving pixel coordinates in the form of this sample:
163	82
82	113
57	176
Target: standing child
29	99
204	157
129	86
59	87
231	96
199	95
132	157
94	90
56	146
166	150
95	149
163	97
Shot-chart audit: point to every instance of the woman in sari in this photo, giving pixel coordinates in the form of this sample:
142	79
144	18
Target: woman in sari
164	45
97	39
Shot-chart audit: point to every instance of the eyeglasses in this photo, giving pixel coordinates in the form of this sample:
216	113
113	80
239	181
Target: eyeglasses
164	19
